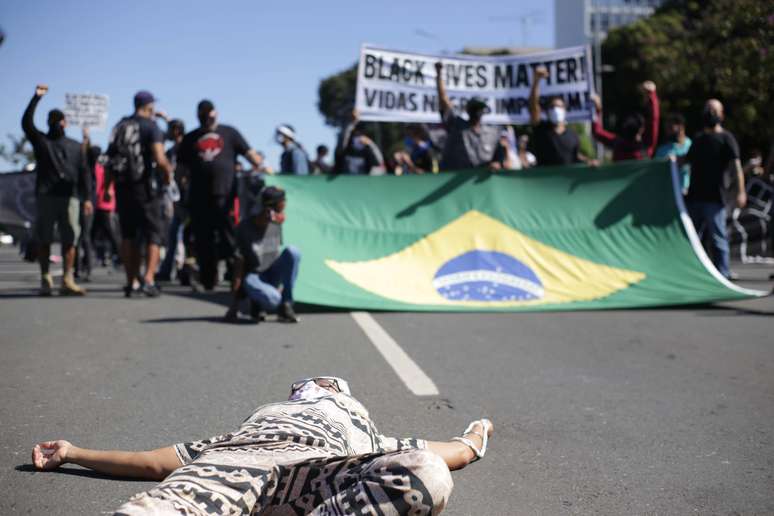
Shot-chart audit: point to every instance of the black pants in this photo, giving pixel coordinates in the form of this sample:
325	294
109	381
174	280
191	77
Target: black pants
105	228
213	234
84	251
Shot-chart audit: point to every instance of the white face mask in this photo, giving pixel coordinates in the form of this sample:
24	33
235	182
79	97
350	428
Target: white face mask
309	391
556	114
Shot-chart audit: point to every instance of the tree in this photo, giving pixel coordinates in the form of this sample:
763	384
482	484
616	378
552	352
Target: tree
18	152
698	50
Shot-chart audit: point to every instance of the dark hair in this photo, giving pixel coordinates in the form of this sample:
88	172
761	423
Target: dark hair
674	119
271	196
632	125
322	149
205	106
55	116
176	125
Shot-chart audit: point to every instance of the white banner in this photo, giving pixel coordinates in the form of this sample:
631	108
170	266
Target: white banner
395	86
86	110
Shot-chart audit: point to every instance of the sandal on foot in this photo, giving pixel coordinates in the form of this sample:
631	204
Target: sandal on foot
484	435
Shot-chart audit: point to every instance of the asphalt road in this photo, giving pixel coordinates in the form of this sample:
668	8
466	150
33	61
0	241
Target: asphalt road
621	412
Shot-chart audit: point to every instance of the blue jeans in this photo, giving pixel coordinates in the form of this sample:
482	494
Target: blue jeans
712	215
175	230
263	288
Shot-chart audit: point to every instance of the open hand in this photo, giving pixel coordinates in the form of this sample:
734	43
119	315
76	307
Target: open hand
50	454
41	89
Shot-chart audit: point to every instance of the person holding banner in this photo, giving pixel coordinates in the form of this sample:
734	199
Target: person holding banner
469	143
62	183
555	143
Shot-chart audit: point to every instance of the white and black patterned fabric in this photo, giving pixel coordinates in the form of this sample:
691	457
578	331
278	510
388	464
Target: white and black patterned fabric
321	457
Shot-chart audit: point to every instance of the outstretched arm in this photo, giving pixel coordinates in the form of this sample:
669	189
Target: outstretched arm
444	104
457	454
652	118
534	94
150	465
28	124
600	134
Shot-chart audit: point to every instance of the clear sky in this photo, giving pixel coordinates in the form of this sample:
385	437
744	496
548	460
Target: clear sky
260	62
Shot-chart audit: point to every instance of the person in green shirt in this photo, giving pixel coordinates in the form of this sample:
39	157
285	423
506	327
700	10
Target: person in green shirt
676	143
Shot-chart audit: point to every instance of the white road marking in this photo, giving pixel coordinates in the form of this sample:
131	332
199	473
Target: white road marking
412	375
31	271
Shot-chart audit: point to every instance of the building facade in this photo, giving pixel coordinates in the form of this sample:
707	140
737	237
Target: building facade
581	22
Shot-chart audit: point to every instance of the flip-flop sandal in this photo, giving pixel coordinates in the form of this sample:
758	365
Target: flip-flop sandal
480	452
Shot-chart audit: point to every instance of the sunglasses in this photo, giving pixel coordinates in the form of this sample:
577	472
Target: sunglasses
326	382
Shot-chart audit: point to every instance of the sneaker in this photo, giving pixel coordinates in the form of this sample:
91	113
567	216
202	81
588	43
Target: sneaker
256	312
70	288
286	313
131	289
46	285
150	290
733	276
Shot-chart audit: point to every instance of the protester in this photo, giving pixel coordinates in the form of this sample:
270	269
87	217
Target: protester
294	159
555	143
138	172
263	272
173	256
754	165
638	135
209	153
319	165
62	183
469	143
356	153
712	152
84	250
104	214
317	453
676	143
418	156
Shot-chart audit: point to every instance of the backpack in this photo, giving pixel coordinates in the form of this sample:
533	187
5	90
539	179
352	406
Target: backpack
124	154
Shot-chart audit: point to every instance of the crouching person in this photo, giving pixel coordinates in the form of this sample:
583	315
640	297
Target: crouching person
264	272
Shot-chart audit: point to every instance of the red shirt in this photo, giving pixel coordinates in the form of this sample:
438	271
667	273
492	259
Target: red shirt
626	149
99	174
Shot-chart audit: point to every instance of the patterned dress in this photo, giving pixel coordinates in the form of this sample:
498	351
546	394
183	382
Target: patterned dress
321	457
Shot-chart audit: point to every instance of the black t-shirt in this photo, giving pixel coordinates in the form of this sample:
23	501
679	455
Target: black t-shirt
210	156
709	156
552	148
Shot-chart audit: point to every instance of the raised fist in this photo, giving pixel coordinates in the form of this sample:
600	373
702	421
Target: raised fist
41	89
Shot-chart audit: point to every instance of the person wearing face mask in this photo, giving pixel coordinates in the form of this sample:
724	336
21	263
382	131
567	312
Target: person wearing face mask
638	135
209	153
62	183
418	156
356	153
319	452
294	159
469	143
713	150
676	143
555	143
263	271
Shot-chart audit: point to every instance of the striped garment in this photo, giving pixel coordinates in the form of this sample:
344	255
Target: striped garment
322	456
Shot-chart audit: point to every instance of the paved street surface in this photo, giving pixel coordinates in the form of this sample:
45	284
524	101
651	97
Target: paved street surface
666	411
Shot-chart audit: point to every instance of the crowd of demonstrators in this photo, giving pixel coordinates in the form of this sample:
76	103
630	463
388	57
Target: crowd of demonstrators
139	167
554	142
264	272
712	152
638	134
676	143
356	153
294	159
62	187
104	227
209	154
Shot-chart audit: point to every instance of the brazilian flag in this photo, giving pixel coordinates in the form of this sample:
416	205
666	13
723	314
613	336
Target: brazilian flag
556	238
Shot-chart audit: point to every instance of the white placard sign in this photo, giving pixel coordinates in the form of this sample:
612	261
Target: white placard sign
394	86
86	109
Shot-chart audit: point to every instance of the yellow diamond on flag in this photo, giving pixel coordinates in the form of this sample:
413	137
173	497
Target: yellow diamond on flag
476	260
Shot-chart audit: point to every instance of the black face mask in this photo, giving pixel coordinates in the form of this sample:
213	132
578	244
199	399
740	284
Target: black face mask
56	131
710	118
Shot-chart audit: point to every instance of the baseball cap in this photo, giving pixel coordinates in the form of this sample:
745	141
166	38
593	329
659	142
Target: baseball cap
143	98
